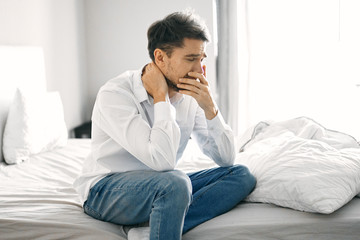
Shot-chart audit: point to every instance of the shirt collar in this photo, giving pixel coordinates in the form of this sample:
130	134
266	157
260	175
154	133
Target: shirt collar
176	99
139	89
142	95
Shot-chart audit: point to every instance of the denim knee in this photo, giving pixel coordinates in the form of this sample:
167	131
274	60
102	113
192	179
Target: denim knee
245	179
177	186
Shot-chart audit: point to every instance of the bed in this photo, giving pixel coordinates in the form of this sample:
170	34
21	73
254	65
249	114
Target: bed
308	179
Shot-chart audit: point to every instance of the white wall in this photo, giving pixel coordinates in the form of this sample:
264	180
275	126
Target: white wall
87	42
57	27
116	36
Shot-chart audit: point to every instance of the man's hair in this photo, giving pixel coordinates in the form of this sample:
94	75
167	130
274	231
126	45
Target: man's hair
168	33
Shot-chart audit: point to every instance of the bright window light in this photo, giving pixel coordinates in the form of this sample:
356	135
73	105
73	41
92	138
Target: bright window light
304	58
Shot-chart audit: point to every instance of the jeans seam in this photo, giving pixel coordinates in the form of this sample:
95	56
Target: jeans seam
159	219
213	173
93	212
158	230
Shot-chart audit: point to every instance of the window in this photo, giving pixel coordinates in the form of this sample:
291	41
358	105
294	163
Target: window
303	60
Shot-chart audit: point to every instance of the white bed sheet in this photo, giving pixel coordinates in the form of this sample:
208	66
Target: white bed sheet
255	221
37	201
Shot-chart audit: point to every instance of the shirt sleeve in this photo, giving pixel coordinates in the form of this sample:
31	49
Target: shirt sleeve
120	117
215	138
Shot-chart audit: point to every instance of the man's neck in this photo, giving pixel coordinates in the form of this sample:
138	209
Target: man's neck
172	92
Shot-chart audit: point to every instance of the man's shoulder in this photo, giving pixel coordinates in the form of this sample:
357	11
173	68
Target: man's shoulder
123	82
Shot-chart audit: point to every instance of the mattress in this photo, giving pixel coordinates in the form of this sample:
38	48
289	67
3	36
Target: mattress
254	221
37	201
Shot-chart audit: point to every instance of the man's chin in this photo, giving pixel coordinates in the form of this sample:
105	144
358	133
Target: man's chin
172	85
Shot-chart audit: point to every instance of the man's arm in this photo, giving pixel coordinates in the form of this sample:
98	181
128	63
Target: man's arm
215	138
154	146
213	135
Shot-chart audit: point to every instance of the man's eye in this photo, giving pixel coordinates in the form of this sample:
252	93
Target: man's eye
191	59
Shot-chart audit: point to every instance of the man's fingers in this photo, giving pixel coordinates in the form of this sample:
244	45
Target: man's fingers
189	87
199	76
187	82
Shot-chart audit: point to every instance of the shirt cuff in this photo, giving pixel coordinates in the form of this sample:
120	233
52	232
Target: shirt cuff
164	111
217	124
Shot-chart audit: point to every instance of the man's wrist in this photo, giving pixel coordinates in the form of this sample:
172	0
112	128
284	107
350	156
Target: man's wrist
159	98
211	114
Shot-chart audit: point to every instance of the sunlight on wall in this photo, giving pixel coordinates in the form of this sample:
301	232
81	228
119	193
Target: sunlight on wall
304	61
22	66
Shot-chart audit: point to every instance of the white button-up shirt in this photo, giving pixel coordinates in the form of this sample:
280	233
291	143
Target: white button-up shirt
130	132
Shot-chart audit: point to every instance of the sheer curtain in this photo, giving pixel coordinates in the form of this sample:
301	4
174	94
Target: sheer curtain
231	42
294	58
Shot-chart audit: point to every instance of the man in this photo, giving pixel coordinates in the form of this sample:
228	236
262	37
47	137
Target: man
142	121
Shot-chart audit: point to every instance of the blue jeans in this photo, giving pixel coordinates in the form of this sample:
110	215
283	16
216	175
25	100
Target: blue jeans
173	202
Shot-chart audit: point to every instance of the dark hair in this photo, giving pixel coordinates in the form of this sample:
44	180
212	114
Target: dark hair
168	33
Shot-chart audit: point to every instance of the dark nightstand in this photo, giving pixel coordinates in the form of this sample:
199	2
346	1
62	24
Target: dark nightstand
83	131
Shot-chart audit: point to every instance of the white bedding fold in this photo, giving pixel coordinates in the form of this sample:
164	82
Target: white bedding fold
301	165
37	200
301	127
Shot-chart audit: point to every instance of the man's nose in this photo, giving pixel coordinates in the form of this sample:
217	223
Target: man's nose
198	68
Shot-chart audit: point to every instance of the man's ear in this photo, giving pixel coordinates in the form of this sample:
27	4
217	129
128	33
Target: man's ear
159	56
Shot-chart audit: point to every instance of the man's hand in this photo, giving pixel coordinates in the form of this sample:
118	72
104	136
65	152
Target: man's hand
198	87
154	82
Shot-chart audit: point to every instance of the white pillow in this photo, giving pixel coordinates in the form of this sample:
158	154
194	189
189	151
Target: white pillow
302	174
35	124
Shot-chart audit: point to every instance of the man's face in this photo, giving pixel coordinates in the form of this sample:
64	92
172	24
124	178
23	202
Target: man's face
184	60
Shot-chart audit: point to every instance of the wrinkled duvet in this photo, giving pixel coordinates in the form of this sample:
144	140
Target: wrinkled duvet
301	165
